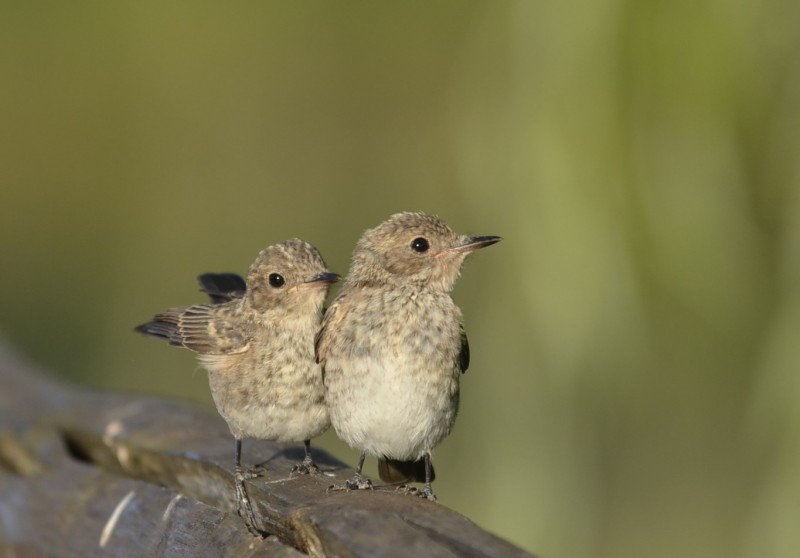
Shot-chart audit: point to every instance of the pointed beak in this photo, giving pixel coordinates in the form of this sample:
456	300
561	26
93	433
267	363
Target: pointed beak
472	243
322	280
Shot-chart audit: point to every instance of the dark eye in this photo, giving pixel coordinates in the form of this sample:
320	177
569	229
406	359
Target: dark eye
276	280
420	245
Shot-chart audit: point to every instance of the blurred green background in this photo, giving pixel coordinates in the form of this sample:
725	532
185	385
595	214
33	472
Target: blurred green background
634	386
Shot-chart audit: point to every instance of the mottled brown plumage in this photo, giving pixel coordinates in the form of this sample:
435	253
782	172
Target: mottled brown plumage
256	340
392	345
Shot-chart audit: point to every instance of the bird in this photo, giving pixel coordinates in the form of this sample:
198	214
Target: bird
392	347
256	340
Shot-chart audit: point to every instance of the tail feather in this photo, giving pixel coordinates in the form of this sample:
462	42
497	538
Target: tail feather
395	471
222	287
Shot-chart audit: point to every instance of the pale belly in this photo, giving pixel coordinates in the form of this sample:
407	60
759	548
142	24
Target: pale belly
284	405
389	409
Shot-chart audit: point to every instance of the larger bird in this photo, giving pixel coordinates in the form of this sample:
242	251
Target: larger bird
393	348
256	340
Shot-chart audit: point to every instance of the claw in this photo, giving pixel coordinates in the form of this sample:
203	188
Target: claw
425	492
356	483
306	467
254	472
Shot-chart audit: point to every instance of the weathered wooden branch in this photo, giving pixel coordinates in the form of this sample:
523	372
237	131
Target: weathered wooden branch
85	473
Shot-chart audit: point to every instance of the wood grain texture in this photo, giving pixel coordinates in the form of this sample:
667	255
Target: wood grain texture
85	473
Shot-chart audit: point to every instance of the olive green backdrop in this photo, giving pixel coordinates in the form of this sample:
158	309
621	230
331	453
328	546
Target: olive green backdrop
634	388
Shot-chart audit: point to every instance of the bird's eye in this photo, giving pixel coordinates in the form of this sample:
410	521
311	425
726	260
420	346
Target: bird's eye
420	245
276	280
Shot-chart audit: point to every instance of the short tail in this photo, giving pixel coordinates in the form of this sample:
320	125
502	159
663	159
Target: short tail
222	287
394	471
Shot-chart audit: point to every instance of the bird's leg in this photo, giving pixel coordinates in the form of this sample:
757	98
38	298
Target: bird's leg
427	491
358	482
243	505
307	466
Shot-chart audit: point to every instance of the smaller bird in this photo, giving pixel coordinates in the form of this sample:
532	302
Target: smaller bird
256	339
393	348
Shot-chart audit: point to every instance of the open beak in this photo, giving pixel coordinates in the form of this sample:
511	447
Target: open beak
473	243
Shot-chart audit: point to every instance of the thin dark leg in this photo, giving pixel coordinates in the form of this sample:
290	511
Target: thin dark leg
361	459
307	466
243	505
358	482
428	492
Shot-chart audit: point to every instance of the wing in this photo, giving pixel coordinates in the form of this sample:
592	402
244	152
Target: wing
204	329
463	354
323	339
163	325
222	287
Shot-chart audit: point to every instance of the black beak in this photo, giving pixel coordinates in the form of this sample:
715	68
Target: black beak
324	278
475	242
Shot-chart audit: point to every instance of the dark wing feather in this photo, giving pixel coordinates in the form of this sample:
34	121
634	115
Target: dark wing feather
222	287
163	325
463	355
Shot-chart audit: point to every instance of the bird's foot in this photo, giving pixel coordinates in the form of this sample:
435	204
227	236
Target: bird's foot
424	492
254	472
356	483
306	467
